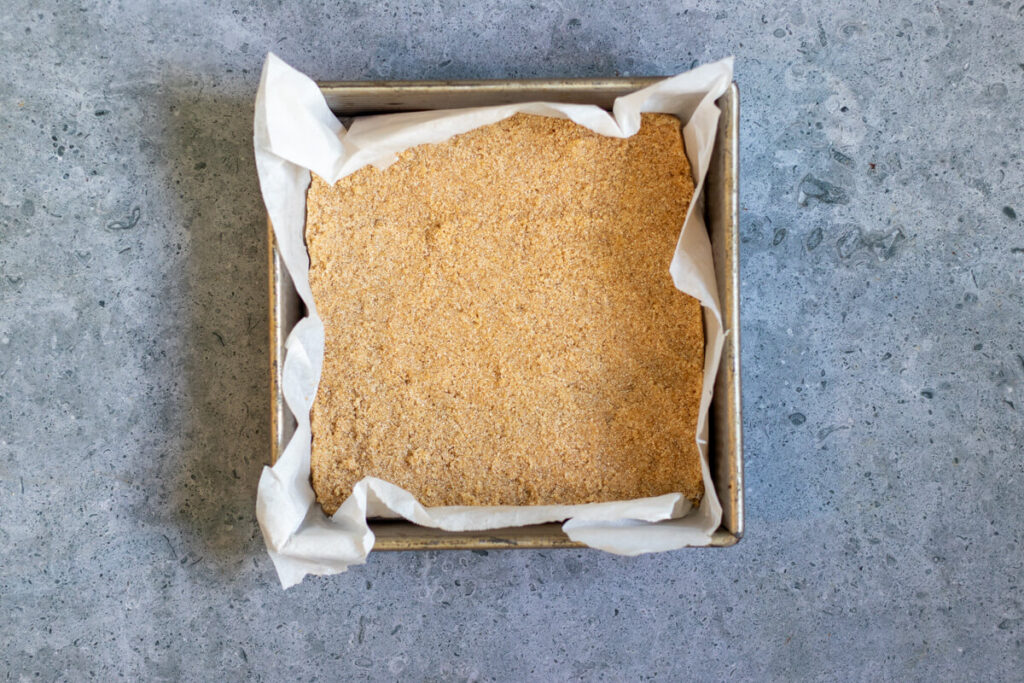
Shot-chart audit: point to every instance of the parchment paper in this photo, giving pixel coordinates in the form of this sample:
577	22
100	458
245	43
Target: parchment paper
295	133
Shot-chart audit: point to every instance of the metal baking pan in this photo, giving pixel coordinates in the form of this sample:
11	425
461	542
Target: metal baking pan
721	208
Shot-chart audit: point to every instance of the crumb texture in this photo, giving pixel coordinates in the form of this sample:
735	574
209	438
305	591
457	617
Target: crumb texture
501	326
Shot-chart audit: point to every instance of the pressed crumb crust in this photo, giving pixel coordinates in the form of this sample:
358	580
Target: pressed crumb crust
501	326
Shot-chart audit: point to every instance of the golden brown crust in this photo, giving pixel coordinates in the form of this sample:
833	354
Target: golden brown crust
501	326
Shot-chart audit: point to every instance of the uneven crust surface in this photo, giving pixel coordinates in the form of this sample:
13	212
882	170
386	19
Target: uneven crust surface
501	326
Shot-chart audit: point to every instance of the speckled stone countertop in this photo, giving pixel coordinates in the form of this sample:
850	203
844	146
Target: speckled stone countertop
883	354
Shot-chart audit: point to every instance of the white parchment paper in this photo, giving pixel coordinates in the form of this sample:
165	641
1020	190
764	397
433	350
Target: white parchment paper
295	133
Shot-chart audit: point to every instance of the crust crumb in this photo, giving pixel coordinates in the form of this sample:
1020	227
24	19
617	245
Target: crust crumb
501	326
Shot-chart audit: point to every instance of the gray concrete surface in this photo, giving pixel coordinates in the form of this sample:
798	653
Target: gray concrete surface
883	263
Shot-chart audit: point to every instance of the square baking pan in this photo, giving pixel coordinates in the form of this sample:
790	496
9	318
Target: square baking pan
721	207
